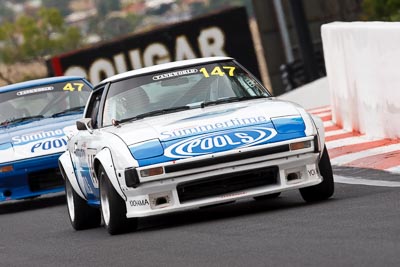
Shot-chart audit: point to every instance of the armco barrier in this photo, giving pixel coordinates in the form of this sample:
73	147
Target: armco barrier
363	67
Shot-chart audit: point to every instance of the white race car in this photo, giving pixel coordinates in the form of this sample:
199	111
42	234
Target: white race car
185	135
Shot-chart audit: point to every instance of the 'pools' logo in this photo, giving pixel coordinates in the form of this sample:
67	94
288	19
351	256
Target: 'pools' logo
220	141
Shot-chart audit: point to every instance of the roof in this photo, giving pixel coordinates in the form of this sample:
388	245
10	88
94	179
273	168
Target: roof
163	67
38	82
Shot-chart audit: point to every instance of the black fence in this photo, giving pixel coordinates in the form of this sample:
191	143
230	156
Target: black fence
293	74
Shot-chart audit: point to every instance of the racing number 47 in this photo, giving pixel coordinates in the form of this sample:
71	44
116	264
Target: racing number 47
73	86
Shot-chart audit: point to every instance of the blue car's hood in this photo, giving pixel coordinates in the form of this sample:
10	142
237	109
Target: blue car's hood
36	138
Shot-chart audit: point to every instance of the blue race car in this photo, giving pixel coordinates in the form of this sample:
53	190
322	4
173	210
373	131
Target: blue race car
36	118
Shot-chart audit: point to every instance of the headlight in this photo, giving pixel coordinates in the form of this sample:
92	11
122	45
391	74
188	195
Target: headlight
151	171
7	168
300	145
7	156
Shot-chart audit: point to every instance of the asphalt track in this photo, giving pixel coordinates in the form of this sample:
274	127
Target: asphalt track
360	226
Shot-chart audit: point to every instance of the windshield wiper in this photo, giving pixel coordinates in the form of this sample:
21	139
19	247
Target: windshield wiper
230	100
68	111
24	119
154	113
162	111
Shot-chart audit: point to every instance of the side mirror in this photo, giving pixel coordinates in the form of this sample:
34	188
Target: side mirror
84	124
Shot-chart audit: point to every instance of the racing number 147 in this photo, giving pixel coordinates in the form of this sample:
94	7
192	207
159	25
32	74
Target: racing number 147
218	71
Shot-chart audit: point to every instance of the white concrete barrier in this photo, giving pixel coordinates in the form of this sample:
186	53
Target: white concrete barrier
363	67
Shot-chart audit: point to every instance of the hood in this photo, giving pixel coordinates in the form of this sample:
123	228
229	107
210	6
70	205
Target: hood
212	129
36	138
205	120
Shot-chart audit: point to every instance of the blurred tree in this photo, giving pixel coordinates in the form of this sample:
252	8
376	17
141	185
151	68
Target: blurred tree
61	5
134	20
106	6
112	27
6	14
387	10
198	8
224	4
94	25
159	10
115	26
33	37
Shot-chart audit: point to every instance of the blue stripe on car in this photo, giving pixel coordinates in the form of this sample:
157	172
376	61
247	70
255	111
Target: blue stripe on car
280	129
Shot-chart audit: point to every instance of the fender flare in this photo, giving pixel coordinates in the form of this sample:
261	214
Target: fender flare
319	124
104	158
68	172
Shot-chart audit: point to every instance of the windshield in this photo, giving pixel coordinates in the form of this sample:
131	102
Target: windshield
180	89
52	100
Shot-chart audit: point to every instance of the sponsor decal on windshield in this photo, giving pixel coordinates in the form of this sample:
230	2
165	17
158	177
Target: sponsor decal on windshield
35	90
174	74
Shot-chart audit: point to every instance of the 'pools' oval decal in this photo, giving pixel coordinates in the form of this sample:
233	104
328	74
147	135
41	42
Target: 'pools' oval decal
219	141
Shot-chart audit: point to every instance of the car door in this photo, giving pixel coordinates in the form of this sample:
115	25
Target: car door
85	146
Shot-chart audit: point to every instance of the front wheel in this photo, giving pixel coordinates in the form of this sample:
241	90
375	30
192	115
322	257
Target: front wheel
81	215
325	189
113	207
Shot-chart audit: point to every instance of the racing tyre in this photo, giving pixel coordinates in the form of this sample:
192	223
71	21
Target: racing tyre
265	197
113	208
81	215
325	189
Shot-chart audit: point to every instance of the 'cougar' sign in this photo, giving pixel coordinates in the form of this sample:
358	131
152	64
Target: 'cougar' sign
220	34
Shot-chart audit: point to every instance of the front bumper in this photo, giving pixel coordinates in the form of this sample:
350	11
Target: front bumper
31	177
191	186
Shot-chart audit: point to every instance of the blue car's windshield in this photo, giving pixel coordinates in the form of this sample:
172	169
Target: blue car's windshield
53	100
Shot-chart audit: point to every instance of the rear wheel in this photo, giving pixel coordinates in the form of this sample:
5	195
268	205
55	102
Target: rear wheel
270	196
113	208
81	215
325	189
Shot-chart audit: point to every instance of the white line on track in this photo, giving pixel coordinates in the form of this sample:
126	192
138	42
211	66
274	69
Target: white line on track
328	124
361	181
324	114
346	141
395	170
336	132
318	110
365	153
